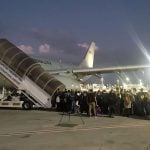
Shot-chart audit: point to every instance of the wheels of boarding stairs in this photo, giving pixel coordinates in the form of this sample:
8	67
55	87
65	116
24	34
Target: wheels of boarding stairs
26	106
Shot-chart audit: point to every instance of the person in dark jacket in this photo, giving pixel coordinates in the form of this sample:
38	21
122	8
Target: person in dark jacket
111	103
84	102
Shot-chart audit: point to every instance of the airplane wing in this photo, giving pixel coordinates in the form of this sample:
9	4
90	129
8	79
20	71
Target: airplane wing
90	71
93	71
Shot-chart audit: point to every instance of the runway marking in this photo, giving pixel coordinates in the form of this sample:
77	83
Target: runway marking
72	130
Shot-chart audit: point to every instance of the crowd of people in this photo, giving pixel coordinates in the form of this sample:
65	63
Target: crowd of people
114	102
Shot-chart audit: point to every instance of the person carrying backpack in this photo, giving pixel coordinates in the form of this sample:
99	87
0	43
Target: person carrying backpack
127	104
92	103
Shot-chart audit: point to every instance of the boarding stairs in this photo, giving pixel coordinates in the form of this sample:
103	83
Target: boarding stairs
29	88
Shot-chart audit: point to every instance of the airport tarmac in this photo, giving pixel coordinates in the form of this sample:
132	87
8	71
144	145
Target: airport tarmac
39	130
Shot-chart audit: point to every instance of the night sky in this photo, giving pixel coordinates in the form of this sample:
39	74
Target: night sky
63	29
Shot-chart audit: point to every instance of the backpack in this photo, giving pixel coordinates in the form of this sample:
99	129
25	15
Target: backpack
127	100
72	97
91	97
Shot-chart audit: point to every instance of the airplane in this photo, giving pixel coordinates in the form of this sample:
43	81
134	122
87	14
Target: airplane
73	77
